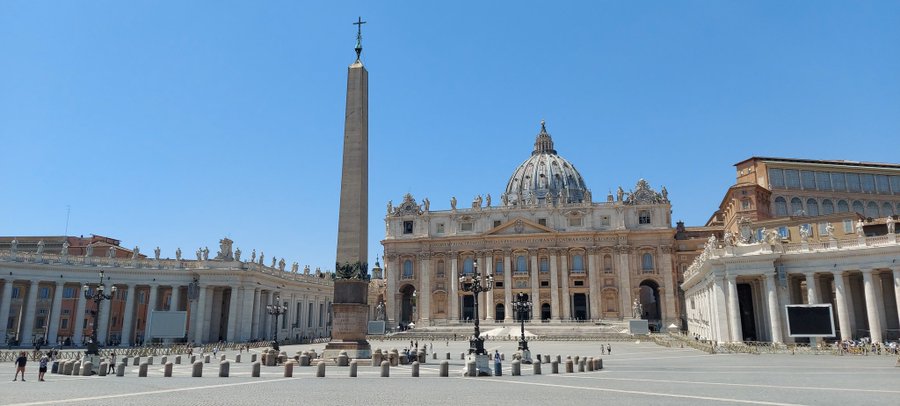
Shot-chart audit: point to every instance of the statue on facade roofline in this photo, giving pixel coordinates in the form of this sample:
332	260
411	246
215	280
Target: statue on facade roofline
253	255
504	199
261	256
40	247
237	255
273	262
829	230
295	267
488	200
199	254
156	253
476	202
111	252
890	224
206	253
665	194
620	194
65	248
13	245
426	203
390	207
306	270
859	228
281	265
728	239
178	254
89	250
136	252
453	203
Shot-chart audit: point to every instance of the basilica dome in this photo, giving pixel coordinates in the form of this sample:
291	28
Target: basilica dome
545	178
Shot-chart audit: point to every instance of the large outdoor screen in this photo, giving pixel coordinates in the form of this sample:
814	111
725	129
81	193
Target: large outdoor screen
167	324
814	320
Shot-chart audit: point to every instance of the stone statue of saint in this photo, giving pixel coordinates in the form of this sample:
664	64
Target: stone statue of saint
237	255
281	265
295	267
804	233
665	194
504	199
89	250
476	203
390	207
65	248
453	203
111	253
728	239
253	255
487	200
156	253
40	247
829	230
136	252
199	254
587	197
859	228
620	194
306	270
636	309
379	311
890	224
273	262
426	203
13	245
178	254
206	253
261	256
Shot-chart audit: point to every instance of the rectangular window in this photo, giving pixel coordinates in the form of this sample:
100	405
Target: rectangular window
542	222
792	179
467	226
776	178
895	184
745	204
822	229
576	221
10	322
838	181
44	293
579	283
868	182
848	226
498	284
545	284
40	321
309	314
809	179
853	182
15	292
497	223
42	311
64	324
297	314
784	232
883	184
498	267
644	217
604	220
68	293
823	180
440	228
407	227
65	311
545	265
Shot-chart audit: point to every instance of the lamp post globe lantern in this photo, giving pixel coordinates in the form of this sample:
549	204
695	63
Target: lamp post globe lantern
474	284
276	309
98	297
522	306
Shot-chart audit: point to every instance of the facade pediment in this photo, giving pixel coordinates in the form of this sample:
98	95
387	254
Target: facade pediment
519	226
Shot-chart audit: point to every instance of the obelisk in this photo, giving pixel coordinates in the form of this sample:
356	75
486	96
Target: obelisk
350	306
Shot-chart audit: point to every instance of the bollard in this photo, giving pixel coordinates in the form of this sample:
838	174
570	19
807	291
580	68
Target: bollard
590	364
237	358
66	367
395	357
546	358
289	369
445	369
599	362
252	357
150	361
167	370
206	359
142	370
165	360
125	360
197	369
255	371
502	356
581	365
120	369
434	355
448	355
576	359
193	359
304	360
537	368
320	372
224	369
222	358
103	368
377	357
558	359
343	360
353	365
415	369
385	369
136	362
570	368
421	357
554	367
537	359
516	368
87	368
470	369
76	368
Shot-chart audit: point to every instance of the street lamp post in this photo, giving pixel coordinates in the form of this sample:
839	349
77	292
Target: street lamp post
522	306
276	309
97	297
476	343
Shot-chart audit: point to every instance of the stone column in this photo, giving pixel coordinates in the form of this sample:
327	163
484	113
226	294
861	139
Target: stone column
812	294
231	331
390	296
53	328
840	293
424	296
247	306
566	298
879	298
78	327
734	311
594	283
665	263
5	301
199	317
774	309
102	323
128	316
254	315
535	285
896	273
28	318
265	324
507	286
719	309
554	285
175	301
484	269
489	296
872	307
454	288
622	253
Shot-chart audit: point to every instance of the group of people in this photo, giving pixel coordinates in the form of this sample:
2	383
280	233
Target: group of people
866	346
22	360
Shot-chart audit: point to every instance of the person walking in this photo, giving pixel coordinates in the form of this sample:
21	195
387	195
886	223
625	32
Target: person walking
112	364
608	349
42	367
20	366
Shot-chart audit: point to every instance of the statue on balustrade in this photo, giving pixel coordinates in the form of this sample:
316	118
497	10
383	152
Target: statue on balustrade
178	254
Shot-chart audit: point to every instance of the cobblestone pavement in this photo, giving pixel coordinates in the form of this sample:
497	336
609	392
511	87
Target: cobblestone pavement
635	374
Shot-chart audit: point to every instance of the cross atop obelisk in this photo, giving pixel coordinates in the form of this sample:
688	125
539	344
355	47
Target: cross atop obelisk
358	25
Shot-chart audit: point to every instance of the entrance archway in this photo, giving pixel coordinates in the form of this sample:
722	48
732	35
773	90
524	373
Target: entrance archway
579	306
407	304
468	308
499	312
545	311
650	300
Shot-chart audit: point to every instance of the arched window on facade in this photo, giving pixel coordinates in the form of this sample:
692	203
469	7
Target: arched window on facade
843	207
872	210
887	209
440	269
812	207
577	263
858	207
468	266
827	207
796	206
607	264
647	262
780	207
545	265
521	264
407	269
498	266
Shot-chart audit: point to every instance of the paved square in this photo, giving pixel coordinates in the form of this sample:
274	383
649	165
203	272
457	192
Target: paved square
641	373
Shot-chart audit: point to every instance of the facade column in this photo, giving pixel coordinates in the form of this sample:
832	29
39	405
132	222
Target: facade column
554	285
812	294
840	292
28	318
175	298
719	309
507	286
774	310
734	311
53	328
266	321
247	307
872	307
424	296
5	301
102	323
535	285
566	298
127	318
199	316
489	295
390	297
78	327
622	253
454	288
665	263
897	290
231	331
594	284
254	315
851	303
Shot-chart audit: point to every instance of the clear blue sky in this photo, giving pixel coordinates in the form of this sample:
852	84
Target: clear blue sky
176	123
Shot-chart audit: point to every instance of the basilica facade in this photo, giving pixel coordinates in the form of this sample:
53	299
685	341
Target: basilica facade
575	259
